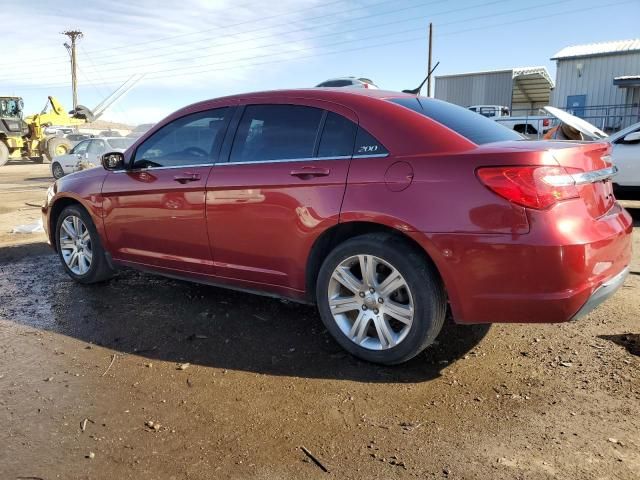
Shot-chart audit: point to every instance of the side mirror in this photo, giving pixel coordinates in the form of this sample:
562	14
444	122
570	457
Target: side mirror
632	137
113	161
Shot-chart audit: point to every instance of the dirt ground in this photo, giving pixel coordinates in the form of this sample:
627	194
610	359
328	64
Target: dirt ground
94	383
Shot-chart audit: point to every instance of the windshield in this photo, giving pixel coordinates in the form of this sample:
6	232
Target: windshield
477	128
10	107
122	143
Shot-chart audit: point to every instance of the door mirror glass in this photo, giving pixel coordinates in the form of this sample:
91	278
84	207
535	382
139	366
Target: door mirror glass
632	137
113	161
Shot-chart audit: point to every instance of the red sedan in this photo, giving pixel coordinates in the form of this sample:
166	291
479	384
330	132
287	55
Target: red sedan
385	209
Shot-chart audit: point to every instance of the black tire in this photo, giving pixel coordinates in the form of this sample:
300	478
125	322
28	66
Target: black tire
4	153
57	146
57	171
99	269
422	279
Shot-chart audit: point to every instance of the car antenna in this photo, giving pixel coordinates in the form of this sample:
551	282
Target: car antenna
416	91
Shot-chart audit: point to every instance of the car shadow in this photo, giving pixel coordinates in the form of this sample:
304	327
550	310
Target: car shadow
630	341
176	321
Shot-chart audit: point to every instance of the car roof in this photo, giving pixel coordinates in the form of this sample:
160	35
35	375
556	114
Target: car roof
321	93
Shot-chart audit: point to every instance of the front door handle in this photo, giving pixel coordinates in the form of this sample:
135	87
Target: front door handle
306	173
187	177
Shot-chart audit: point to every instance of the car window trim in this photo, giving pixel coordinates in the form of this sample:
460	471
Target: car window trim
169	167
215	151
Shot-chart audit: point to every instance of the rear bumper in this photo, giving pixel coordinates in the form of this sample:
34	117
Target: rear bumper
602	293
563	268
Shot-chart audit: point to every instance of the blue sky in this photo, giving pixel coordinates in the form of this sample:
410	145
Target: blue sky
197	49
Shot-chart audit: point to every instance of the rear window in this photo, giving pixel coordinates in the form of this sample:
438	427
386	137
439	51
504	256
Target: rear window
123	143
336	83
470	125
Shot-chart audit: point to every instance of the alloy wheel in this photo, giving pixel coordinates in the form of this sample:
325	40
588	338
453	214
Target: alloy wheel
75	245
371	302
58	172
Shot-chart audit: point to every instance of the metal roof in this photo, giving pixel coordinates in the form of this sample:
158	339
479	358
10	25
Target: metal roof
594	49
627	81
531	85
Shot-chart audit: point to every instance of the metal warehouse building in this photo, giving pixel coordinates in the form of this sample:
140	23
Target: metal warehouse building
523	89
600	82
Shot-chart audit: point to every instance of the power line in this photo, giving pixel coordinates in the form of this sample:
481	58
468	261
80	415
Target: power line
334	34
119	53
376	45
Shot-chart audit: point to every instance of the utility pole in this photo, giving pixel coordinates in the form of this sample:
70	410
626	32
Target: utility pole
429	62
73	35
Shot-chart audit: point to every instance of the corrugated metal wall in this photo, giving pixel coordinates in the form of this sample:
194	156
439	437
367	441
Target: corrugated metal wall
491	88
596	81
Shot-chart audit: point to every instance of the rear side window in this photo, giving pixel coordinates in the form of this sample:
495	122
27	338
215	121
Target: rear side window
476	128
338	136
276	132
367	145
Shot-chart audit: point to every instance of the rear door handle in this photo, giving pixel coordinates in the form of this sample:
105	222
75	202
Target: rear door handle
187	177
309	172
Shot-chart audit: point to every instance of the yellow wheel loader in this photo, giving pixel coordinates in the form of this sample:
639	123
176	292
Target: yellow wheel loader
25	137
22	138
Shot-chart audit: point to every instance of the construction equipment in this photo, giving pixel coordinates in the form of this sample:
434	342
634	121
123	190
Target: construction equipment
26	138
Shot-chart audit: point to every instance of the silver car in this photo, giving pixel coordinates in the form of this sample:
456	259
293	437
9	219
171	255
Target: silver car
351	82
87	153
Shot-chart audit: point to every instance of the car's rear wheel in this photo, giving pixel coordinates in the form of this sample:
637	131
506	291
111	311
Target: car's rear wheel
380	298
80	248
57	170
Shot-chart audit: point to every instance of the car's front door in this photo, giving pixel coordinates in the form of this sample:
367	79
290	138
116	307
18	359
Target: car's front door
154	211
282	185
95	150
77	154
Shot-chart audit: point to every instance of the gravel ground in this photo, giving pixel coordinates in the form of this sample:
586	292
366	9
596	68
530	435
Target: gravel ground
150	378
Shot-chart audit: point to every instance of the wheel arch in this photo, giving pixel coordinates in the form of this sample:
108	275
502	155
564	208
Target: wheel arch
56	209
342	232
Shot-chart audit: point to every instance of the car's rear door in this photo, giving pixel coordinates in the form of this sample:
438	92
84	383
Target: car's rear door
281	186
154	211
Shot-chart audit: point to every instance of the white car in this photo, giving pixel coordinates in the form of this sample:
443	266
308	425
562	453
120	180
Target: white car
351	82
626	156
87	153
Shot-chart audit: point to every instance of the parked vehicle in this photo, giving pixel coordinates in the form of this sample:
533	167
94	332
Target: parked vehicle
351	82
87	154
383	208
626	156
530	126
490	111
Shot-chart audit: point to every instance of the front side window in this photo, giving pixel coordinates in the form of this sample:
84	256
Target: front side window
338	136
96	146
81	148
276	132
189	140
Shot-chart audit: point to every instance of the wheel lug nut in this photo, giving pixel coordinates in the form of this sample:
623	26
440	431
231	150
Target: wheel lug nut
376	311
364	307
362	294
372	290
381	300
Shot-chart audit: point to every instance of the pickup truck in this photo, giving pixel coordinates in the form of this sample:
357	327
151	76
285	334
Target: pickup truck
531	126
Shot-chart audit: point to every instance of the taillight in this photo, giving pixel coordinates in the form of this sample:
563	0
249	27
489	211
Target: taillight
533	187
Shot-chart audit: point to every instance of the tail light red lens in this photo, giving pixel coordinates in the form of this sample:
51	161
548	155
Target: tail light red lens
530	186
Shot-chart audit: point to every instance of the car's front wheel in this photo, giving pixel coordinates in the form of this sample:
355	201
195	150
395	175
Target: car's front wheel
380	298
80	248
57	170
